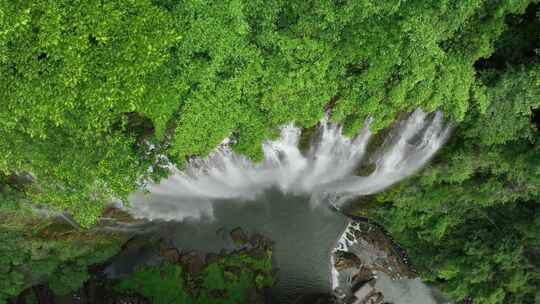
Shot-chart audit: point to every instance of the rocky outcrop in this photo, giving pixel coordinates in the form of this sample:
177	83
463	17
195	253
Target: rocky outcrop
192	262
169	252
363	276
239	237
346	259
367	294
259	240
365	169
363	251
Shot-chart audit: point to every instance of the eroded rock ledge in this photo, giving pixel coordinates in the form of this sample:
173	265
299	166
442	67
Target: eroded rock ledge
363	252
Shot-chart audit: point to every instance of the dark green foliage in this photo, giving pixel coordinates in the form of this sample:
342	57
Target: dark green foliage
226	281
35	250
92	91
86	86
471	220
160	285
517	44
28	260
69	74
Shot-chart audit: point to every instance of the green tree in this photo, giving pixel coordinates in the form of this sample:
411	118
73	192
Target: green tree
34	250
226	281
471	220
88	88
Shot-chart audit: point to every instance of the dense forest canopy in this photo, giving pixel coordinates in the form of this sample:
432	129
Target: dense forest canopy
88	88
471	220
92	92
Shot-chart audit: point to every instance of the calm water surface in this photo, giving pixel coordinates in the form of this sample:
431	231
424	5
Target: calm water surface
303	234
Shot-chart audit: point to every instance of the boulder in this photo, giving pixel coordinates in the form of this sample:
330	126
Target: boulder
363	276
364	294
171	255
169	252
346	260
257	252
192	262
259	240
238	236
365	169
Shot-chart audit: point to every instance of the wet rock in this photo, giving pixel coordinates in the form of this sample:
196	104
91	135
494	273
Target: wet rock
172	255
257	252
346	259
259	240
306	137
367	294
169	252
238	236
357	234
363	276
365	169
378	298
192	262
134	244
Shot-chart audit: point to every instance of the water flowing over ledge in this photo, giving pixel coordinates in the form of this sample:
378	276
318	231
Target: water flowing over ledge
367	266
325	172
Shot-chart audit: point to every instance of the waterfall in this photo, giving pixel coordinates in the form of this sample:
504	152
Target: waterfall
326	170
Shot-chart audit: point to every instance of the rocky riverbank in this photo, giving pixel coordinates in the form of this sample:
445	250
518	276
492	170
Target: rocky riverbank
362	253
241	275
181	275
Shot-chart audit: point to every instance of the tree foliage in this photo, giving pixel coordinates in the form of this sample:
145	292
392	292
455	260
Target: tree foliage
471	220
91	91
34	250
234	278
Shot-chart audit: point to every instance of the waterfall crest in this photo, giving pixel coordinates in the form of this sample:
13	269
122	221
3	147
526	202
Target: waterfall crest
327	169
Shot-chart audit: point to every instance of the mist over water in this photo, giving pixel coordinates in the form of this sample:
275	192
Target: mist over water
325	172
287	195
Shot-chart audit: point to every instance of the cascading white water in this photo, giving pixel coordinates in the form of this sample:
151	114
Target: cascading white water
325	170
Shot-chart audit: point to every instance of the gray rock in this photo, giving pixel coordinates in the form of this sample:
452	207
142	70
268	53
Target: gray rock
192	262
171	255
346	259
238	236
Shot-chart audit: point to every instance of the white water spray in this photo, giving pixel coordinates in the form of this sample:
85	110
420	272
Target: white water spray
327	169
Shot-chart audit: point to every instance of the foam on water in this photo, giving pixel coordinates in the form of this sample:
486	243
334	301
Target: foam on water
325	171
